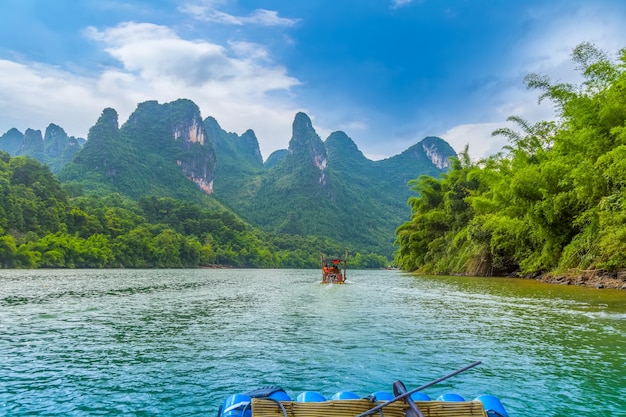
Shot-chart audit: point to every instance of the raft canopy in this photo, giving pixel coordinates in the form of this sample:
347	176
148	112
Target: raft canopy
338	261
334	260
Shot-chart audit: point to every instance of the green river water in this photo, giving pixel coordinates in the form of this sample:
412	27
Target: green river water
178	342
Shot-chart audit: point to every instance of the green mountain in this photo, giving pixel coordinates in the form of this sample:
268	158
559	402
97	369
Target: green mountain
239	161
313	188
162	150
275	157
327	188
55	149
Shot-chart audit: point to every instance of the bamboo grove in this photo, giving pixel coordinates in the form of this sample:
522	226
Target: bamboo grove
552	201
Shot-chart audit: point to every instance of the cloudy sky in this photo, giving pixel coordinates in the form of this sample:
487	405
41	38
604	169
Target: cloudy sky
386	72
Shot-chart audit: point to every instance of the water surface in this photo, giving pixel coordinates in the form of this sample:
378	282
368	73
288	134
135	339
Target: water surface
177	342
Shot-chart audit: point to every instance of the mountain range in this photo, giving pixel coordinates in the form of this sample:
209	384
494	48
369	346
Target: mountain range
54	149
315	187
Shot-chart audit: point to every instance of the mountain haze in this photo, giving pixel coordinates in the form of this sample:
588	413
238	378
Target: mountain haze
55	148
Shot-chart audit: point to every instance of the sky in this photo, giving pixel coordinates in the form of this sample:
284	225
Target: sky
386	72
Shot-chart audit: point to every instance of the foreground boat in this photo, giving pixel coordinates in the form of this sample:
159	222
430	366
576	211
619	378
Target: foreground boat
332	269
275	402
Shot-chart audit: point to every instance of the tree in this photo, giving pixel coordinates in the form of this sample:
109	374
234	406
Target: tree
553	201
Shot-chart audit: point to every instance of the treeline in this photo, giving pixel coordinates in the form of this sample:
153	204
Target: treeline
42	227
554	200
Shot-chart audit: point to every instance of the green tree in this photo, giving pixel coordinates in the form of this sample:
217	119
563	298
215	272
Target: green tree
551	201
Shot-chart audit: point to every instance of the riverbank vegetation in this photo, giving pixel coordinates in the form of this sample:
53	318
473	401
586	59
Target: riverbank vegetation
551	203
42	227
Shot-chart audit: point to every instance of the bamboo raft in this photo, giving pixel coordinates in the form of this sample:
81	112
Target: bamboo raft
352	408
275	402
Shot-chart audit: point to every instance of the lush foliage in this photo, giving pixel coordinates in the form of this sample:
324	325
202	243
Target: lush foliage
42	227
553	200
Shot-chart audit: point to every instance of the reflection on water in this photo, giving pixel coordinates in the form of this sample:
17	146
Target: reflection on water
177	342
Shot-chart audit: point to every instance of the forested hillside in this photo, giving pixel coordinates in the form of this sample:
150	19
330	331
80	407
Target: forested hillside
553	201
324	188
315	188
42	227
161	150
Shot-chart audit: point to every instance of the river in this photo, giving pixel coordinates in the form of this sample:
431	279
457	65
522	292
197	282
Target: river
178	342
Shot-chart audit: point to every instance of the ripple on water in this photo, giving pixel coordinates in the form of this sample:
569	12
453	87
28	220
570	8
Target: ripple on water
178	342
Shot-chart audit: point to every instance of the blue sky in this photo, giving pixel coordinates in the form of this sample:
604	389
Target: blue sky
386	72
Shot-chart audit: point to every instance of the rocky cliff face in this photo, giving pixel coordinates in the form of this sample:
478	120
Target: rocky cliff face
197	161
437	150
190	130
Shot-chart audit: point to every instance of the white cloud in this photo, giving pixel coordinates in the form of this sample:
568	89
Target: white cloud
240	85
234	83
546	52
31	96
354	126
153	51
548	49
269	18
400	3
477	136
207	12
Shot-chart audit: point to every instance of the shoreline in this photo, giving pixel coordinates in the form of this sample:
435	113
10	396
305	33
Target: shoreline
589	278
